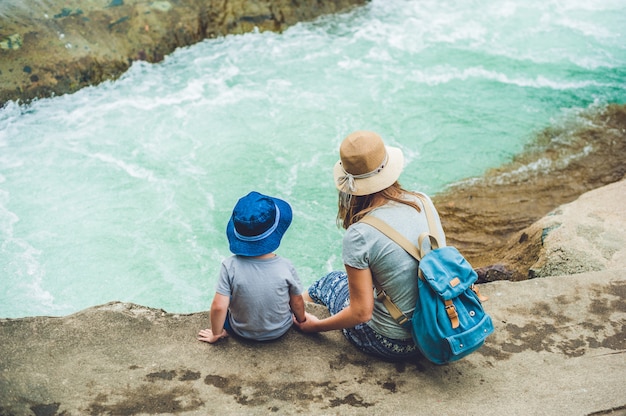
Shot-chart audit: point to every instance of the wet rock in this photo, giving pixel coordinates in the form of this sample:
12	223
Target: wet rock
493	272
66	42
586	235
487	217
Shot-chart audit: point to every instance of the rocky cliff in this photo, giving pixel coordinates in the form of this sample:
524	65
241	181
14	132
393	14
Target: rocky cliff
486	216
57	47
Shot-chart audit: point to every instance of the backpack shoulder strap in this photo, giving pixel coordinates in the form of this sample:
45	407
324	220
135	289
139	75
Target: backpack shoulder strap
409	247
393	234
395	312
430	217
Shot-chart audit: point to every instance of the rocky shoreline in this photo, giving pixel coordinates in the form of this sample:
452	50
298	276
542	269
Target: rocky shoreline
54	48
58	47
486	217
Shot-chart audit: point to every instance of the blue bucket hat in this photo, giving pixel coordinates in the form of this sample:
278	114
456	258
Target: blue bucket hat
257	224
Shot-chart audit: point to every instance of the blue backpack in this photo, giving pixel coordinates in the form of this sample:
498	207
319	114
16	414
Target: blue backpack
448	322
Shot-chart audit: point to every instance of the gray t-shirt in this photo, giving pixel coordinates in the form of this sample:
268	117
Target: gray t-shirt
394	269
259	291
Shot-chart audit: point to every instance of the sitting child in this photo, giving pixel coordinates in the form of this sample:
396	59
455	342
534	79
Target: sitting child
257	291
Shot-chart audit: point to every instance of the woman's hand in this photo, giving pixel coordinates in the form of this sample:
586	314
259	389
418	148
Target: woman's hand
308	325
357	312
207	335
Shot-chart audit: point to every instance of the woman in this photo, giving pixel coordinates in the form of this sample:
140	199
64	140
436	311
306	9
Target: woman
367	180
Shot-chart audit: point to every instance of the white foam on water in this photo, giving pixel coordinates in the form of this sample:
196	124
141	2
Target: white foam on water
132	170
446	74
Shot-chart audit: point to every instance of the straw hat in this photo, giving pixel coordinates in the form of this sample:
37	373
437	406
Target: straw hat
366	165
257	224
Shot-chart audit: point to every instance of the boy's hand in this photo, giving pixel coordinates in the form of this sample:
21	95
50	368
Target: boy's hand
207	335
308	324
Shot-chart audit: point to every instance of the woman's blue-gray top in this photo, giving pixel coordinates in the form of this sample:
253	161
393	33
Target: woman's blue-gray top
394	269
259	291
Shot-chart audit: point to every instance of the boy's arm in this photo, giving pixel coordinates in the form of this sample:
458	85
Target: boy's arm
297	307
219	307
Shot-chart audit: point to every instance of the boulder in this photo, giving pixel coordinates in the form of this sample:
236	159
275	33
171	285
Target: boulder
488	217
586	235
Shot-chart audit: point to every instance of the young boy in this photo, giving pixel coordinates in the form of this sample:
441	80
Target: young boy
257	291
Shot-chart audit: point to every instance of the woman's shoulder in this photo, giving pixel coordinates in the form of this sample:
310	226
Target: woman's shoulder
416	196
393	208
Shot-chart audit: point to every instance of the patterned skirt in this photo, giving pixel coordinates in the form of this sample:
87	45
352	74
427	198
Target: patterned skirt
332	291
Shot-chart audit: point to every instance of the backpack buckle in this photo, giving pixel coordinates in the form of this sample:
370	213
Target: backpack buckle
452	314
481	298
380	295
403	321
395	312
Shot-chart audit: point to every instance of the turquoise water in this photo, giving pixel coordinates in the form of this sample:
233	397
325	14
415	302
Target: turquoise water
122	191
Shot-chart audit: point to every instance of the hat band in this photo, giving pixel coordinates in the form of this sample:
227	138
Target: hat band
347	180
264	234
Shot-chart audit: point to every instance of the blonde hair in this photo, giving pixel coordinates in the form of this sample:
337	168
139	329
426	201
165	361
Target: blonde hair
353	207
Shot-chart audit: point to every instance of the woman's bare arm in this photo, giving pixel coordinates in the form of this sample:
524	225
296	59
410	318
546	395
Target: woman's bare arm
359	311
